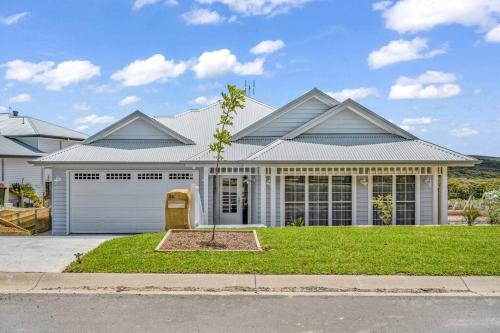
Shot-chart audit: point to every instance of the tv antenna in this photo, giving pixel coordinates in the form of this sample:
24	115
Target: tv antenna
250	88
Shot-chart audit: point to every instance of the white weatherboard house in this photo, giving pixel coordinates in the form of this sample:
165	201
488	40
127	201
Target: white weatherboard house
23	139
313	158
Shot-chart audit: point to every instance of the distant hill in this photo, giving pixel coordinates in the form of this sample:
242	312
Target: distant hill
488	168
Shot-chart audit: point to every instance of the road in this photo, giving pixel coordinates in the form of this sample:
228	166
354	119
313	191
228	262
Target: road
240	313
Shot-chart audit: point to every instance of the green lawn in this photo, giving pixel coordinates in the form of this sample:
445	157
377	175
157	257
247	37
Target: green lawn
447	250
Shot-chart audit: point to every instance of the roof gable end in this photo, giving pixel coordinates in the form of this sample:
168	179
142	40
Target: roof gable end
349	117
137	125
315	96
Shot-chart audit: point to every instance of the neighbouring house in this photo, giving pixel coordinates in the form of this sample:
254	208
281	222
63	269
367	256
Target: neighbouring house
313	158
23	139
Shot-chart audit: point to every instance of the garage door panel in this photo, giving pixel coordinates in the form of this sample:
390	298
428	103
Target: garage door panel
121	206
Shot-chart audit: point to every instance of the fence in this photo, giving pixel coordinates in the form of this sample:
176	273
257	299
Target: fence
36	220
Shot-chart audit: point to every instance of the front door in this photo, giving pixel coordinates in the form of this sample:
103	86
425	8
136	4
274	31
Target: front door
231	200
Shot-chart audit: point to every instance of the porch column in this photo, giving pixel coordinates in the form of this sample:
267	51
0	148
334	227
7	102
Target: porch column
394	211
205	194
435	200
417	199
282	200
370	200
273	197
263	196
444	196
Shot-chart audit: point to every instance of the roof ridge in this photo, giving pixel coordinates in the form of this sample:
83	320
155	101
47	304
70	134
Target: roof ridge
446	150
35	129
60	151
267	148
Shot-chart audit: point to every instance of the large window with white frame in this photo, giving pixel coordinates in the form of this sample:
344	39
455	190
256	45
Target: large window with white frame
318	200
341	200
294	198
382	185
405	200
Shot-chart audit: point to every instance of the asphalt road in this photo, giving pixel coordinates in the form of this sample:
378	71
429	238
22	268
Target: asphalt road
172	313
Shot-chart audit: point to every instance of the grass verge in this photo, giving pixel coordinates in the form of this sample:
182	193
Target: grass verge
445	250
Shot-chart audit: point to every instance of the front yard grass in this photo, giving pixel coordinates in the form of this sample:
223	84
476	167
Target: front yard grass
445	250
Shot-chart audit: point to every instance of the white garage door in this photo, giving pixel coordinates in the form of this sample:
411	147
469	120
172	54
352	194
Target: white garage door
122	201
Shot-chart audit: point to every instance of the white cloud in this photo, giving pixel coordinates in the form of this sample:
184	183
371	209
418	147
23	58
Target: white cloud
129	100
204	100
48	74
21	98
12	19
138	4
155	68
401	50
430	85
493	35
268	46
416	121
464	131
3	108
81	128
423	15
356	93
220	62
94	119
258	7
81	107
381	5
199	16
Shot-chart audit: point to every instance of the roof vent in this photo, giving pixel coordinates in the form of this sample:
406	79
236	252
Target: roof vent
15	113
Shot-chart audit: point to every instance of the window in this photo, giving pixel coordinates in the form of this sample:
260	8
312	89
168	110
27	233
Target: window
405	199
229	195
86	176
294	198
118	176
146	176
318	200
382	185
341	200
180	176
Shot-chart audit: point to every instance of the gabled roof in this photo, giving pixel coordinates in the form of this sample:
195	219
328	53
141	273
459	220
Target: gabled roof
133	117
374	148
12	147
27	126
313	93
360	110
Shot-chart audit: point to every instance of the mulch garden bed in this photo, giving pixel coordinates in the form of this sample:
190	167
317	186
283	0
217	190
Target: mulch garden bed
195	240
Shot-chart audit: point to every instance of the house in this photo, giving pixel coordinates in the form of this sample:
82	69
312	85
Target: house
23	139
313	158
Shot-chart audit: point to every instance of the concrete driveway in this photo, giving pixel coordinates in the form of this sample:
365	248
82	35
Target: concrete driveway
44	253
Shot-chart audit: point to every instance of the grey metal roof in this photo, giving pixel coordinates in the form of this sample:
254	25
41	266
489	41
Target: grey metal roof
239	150
199	125
128	151
356	148
28	126
12	147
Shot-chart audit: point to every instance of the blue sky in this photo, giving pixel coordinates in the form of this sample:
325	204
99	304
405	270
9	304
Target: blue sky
431	66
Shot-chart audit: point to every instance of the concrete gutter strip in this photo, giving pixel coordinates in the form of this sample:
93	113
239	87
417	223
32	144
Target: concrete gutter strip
250	283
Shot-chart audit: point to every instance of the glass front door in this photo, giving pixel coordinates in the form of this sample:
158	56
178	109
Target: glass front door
231	200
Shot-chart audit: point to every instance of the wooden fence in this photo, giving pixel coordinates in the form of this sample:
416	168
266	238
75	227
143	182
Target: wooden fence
36	220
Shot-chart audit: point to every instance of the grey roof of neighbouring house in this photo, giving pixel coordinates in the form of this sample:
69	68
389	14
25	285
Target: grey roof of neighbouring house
11	147
27	126
198	126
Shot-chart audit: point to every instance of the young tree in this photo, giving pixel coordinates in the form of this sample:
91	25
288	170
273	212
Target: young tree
233	100
384	204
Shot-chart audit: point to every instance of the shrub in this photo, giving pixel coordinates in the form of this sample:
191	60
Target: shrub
492	203
470	214
384	204
298	222
461	188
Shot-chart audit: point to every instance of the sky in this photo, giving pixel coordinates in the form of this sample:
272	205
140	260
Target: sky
430	66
